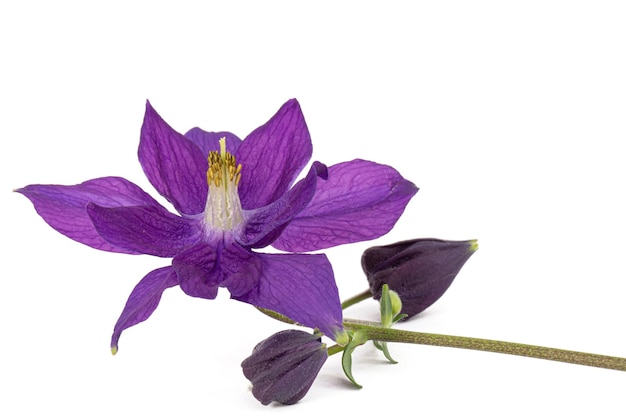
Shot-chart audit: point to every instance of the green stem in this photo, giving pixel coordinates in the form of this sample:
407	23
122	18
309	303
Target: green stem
375	332
356	299
335	349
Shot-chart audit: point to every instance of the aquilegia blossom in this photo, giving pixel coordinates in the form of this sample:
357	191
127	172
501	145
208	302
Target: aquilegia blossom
233	196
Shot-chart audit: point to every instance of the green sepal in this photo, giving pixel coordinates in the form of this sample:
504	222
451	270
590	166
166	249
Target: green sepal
386	313
399	317
382	346
358	338
390	306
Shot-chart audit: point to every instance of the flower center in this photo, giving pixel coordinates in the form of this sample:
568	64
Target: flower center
223	208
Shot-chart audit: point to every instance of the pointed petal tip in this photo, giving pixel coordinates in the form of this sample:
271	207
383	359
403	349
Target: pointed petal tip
113	350
473	245
151	112
408	186
23	190
320	169
291	106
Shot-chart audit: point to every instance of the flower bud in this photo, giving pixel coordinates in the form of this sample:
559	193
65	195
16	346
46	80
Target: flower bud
396	303
418	270
283	367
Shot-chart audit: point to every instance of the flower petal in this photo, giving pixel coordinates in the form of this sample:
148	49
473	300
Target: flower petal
209	141
64	207
301	287
203	268
241	269
150	230
283	367
263	225
272	156
174	164
143	300
197	271
361	200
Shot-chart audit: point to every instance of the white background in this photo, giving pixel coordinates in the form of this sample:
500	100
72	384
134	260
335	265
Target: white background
510	117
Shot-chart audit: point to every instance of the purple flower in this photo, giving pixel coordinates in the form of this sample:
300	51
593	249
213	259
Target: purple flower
233	196
283	367
419	271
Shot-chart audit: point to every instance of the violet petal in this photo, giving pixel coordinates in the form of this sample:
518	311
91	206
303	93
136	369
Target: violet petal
241	269
174	164
197	270
272	156
203	268
209	141
361	200
150	230
283	367
265	224
64	207
301	287
143	300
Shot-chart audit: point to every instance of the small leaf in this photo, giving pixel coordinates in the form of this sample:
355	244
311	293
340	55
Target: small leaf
377	344
400	317
382	346
358	338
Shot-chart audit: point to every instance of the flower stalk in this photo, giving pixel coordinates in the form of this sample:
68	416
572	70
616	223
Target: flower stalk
375	331
356	299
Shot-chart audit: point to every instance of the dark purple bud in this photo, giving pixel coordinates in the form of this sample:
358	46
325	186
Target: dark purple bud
283	367
418	270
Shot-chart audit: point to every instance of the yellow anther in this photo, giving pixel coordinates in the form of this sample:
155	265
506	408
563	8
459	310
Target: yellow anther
223	167
223	209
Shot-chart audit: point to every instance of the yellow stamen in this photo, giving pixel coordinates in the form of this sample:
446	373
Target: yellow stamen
223	167
223	209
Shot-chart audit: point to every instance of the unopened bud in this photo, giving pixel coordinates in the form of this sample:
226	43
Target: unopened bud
419	271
